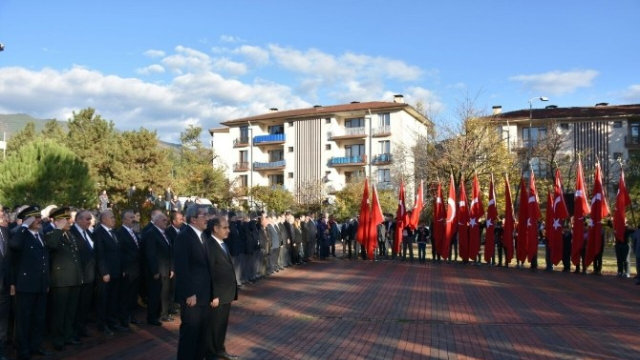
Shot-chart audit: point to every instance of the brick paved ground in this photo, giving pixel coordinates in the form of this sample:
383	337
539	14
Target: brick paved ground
341	309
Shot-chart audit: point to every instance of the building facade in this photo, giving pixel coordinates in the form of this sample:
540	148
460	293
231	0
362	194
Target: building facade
604	133
319	148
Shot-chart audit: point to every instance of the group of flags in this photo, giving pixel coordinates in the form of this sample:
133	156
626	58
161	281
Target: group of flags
462	218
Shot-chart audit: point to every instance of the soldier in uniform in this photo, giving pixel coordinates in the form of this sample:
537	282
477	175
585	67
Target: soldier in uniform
31	281
66	278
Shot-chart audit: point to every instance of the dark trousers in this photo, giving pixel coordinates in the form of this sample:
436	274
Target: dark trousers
5	310
217	330
107	304
194	329
295	253
407	245
382	247
84	307
501	251
422	251
566	253
332	249
547	256
622	258
434	250
30	315
159	297
349	245
453	250
128	301
64	305
597	260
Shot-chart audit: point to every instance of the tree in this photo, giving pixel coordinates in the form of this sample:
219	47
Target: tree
348	200
21	138
53	131
45	172
273	198
308	195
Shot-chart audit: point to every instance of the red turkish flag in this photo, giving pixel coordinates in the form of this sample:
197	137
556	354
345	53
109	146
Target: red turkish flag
361	235
532	222
450	220
417	209
548	221
509	222
523	217
476	211
401	217
560	214
463	224
492	218
376	219
620	214
580	210
439	215
599	211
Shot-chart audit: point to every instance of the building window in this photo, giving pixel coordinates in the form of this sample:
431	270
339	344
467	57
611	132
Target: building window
243	180
276	155
384	119
244	156
290	175
290	148
354	123
617	124
634	133
531	136
384	175
327	147
384	147
276	129
244	133
290	123
327	121
564	126
276	180
354	150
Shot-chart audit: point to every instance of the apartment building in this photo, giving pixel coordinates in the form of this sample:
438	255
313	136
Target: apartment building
328	145
602	132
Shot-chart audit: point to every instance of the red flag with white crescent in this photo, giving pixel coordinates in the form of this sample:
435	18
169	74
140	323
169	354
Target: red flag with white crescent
492	218
451	222
560	214
401	217
376	219
599	211
417	208
532	221
523	217
509	221
439	215
620	214
463	224
361	234
580	210
476	211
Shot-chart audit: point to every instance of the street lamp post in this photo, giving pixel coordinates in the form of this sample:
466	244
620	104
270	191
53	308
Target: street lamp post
541	98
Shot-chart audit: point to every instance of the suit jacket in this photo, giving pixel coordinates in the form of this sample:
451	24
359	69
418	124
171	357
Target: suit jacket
66	268
157	252
130	252
233	240
172	234
274	235
191	264
251	237
31	262
223	275
108	253
313	231
5	262
87	256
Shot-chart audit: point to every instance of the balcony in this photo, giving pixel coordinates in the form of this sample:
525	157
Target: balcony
382	159
274	139
241	142
347	133
381	131
275	165
348	161
241	166
632	142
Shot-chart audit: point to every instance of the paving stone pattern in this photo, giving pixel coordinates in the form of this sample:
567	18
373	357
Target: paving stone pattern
341	309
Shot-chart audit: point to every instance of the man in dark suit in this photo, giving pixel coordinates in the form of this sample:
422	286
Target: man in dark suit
5	284
225	289
193	284
109	261
130	282
157	254
87	257
176	220
31	283
66	278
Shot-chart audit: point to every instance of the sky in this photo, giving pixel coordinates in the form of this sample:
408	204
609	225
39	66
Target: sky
164	65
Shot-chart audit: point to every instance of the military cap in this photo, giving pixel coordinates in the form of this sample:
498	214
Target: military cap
60	213
33	210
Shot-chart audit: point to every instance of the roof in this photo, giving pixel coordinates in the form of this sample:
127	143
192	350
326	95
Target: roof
324	111
572	113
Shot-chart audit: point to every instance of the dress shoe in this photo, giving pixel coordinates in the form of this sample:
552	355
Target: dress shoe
227	356
73	342
154	322
166	319
135	321
42	351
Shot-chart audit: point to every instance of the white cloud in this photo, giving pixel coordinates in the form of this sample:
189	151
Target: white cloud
414	94
557	82
229	66
631	94
255	54
154	53
230	39
151	69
